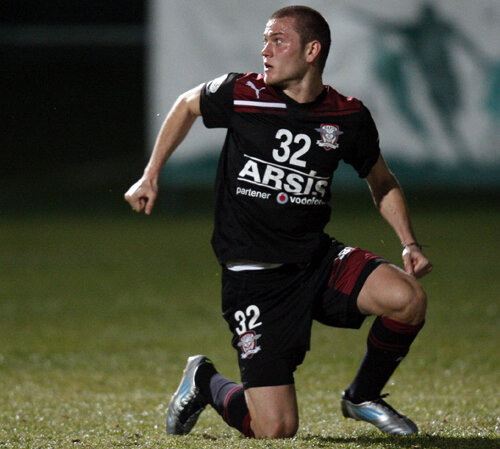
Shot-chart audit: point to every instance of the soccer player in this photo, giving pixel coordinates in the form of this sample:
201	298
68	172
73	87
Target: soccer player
286	134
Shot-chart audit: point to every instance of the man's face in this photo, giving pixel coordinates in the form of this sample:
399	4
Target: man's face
283	53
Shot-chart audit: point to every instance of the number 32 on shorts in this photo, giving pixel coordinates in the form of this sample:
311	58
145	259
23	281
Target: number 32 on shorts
251	316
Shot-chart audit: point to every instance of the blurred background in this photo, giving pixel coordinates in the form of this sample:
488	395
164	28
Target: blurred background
85	86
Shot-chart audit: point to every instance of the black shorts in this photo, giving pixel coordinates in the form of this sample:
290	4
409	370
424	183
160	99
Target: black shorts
270	312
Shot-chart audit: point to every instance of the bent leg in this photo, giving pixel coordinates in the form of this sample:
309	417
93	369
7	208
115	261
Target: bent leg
257	412
399	303
273	411
269	314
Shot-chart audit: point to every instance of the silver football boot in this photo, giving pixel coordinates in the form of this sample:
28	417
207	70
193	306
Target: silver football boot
380	414
187	402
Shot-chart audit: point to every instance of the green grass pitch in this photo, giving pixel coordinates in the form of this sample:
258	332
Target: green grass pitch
98	314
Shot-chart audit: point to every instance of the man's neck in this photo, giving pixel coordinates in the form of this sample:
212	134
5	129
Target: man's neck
306	90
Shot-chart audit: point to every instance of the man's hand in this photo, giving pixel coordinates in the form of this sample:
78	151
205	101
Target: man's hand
142	195
416	263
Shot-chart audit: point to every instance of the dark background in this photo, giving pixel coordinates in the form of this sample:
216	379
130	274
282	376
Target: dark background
72	116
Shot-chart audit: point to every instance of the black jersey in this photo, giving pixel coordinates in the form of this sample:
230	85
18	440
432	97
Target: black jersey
276	167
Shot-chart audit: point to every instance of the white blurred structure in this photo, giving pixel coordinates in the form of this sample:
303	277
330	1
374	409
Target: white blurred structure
428	71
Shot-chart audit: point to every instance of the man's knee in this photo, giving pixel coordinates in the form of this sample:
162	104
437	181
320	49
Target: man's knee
392	293
275	428
273	411
409	302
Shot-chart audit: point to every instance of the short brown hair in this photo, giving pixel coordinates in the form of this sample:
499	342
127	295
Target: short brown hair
310	25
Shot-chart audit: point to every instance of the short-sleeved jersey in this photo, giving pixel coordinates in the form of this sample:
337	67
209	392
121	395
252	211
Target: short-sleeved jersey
276	166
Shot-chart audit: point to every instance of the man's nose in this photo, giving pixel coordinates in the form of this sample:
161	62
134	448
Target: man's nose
266	51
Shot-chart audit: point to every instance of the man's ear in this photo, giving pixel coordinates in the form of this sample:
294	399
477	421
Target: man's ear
313	49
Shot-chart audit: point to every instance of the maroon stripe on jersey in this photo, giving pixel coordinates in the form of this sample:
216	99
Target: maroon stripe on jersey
346	271
336	104
259	110
251	87
331	114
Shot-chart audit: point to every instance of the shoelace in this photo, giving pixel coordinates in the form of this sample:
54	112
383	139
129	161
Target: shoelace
380	400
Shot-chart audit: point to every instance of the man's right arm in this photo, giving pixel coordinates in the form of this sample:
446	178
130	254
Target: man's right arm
142	195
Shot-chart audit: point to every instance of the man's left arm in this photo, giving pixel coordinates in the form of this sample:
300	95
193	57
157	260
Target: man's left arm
391	203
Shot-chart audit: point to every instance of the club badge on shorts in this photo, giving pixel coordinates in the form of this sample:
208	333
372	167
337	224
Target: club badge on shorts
329	136
248	344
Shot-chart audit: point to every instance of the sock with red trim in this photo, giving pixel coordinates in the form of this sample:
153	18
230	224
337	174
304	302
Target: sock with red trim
226	397
388	343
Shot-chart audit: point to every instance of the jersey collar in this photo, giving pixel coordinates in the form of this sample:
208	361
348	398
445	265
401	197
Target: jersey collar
295	104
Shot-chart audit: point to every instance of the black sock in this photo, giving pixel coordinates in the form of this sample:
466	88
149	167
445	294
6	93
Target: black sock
226	397
388	343
202	379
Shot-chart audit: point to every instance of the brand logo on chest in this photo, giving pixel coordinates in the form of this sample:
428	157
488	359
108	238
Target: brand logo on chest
257	91
329	136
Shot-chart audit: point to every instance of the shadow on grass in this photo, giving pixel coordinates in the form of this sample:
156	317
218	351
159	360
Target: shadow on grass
416	442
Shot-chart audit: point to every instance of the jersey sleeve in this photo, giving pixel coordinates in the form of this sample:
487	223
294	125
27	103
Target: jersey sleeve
216	102
365	150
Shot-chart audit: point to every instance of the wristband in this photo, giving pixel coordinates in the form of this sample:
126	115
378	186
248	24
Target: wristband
418	245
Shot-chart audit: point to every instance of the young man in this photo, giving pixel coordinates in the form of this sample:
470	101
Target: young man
287	132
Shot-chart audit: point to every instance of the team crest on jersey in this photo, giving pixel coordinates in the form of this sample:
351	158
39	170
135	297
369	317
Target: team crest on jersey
248	344
329	136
